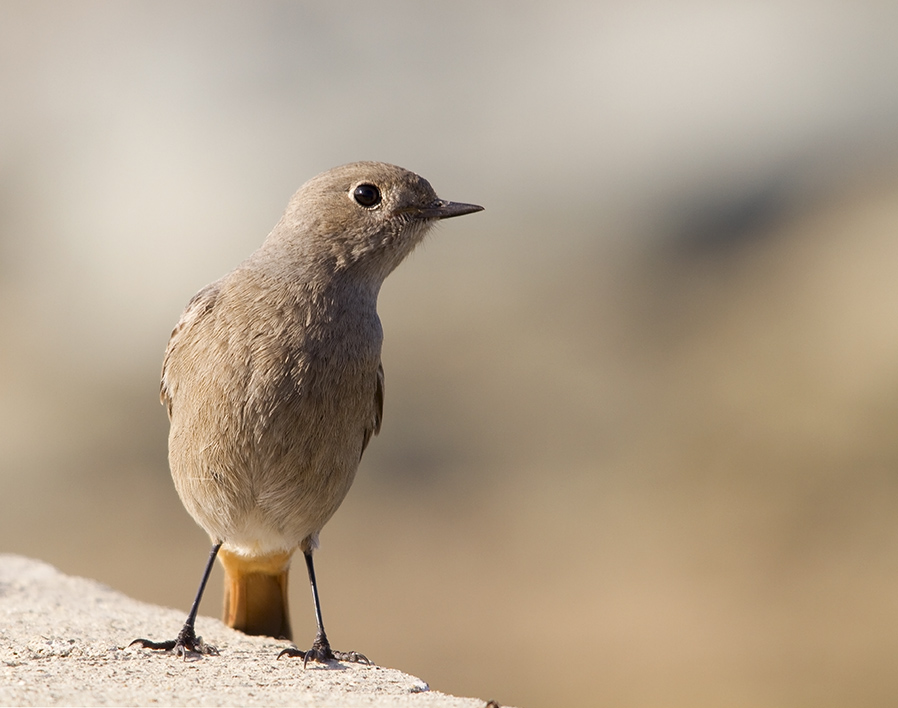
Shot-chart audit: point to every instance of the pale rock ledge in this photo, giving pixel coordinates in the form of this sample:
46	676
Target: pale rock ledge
63	641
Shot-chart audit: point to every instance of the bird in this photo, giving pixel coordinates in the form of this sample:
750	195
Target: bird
274	387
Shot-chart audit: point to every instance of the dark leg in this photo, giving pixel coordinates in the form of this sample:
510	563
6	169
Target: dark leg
321	649
187	641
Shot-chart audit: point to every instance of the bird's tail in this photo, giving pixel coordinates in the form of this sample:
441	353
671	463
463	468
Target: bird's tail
255	593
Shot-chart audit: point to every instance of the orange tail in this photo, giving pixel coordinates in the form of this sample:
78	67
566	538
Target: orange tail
255	597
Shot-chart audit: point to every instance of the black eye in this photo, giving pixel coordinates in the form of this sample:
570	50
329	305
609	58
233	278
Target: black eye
367	195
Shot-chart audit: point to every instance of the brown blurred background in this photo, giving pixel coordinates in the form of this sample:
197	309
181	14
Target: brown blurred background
639	444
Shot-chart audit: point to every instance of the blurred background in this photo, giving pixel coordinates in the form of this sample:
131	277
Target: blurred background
639	444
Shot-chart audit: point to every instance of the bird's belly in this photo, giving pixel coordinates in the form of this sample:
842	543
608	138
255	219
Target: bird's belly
270	486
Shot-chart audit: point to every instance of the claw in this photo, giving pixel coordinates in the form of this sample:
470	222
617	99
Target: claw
352	656
292	652
186	645
323	654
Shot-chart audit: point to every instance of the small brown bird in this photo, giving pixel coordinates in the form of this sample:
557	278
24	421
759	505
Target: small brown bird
274	387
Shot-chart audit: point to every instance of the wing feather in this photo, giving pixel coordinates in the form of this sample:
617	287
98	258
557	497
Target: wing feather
199	306
374	428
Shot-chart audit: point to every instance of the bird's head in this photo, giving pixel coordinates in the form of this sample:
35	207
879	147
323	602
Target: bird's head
364	217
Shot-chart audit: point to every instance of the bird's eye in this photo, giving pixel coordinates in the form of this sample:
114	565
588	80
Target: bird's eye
366	195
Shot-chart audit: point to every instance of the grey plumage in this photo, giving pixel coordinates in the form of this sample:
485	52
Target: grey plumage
272	376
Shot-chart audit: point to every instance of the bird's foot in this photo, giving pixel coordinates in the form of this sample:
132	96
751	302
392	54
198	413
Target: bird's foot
186	645
322	653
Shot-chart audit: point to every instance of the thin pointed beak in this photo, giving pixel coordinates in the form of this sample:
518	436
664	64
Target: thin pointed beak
441	209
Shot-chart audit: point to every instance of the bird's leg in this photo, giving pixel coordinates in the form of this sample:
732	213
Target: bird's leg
187	642
321	649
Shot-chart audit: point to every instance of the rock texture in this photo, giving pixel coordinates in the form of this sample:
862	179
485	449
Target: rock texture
63	641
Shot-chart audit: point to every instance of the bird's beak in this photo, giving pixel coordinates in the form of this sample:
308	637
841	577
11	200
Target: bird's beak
441	209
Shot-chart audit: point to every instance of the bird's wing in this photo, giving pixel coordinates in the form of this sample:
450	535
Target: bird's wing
374	428
198	307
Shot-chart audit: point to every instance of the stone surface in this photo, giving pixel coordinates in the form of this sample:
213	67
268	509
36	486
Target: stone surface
64	641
